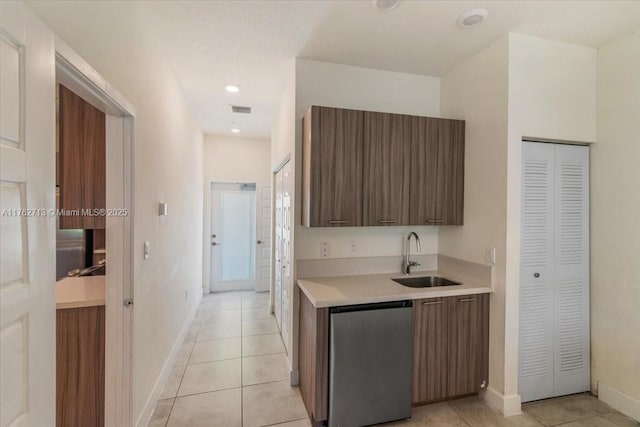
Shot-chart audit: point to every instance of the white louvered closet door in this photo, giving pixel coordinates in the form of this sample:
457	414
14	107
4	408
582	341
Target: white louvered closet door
554	293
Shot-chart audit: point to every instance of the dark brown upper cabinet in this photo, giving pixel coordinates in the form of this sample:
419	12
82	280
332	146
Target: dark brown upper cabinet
386	169
437	172
82	161
363	168
332	167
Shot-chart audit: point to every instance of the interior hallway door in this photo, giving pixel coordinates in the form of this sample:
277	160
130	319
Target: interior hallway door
27	195
263	242
282	288
233	236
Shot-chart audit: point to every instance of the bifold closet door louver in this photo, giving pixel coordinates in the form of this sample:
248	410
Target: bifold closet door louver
554	291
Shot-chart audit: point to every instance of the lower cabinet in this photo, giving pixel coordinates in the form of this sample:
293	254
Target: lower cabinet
80	358
450	351
451	347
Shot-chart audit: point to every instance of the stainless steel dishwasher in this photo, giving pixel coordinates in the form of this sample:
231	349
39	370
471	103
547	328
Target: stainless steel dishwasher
370	363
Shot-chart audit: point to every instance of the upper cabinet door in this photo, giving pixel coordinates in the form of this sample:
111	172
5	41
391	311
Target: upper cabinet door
332	167
386	169
437	171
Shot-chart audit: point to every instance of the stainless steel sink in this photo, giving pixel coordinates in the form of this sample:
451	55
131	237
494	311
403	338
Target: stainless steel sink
425	281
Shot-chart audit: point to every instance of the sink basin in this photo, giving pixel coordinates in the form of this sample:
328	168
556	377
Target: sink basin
425	282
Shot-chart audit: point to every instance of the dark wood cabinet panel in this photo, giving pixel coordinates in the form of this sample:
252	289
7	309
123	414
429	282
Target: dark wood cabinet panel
386	169
82	162
332	167
468	343
437	172
430	350
80	366
313	359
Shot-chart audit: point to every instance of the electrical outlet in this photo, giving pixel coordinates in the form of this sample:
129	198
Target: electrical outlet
490	256
324	249
352	248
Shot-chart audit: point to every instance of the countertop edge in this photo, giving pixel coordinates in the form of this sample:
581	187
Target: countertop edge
431	293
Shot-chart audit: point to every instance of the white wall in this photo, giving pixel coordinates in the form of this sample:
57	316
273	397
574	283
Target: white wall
552	95
231	159
168	168
615	233
477	91
520	86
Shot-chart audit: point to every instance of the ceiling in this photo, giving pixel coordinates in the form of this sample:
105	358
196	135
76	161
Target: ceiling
210	44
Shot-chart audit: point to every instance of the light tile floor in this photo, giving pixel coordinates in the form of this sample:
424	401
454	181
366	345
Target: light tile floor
232	371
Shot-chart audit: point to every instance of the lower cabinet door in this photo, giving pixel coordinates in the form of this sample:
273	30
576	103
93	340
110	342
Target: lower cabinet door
430	349
468	344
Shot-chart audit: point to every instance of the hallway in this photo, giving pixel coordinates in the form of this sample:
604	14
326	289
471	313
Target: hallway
232	371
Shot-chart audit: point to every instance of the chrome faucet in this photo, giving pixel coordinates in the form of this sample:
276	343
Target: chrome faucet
407	253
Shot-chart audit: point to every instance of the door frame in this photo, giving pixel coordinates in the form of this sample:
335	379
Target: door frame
76	74
272	287
210	237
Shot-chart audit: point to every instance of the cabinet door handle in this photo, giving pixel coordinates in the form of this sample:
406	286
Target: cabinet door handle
432	303
466	299
435	221
387	221
338	221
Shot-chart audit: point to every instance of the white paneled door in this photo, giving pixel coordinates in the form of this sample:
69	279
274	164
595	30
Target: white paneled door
27	250
263	242
554	274
282	254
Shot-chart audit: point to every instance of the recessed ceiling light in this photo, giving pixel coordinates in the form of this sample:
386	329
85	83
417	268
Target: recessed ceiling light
384	5
471	18
235	130
232	88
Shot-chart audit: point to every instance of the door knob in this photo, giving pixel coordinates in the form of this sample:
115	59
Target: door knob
215	244
536	275
259	242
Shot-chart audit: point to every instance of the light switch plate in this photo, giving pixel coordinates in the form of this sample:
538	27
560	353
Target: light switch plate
163	209
490	256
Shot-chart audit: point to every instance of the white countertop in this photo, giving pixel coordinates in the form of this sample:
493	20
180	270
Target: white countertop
76	292
371	288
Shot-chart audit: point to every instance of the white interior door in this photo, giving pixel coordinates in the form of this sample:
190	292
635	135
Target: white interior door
27	181
554	293
277	298
287	190
263	242
233	237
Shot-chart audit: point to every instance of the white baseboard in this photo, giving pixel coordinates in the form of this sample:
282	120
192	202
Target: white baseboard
150	404
507	405
619	401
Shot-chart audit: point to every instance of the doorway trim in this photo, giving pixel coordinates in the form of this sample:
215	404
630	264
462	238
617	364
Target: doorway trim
75	73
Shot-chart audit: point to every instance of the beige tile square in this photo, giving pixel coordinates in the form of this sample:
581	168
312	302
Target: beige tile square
434	415
161	413
566	409
599	421
261	313
264	369
221	304
259	327
271	403
255	303
475	412
298	423
218	331
213	350
257	345
182	357
620	420
216	409
211	376
173	382
226	317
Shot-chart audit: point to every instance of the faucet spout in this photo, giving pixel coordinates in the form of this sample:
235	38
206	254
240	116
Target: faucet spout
407	253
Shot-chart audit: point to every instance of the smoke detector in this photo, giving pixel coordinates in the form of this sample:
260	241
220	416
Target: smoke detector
384	5
471	18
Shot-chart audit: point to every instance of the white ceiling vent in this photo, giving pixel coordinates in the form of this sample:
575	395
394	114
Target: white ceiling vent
240	109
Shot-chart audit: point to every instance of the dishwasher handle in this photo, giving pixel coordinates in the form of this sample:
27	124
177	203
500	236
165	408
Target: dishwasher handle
375	306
